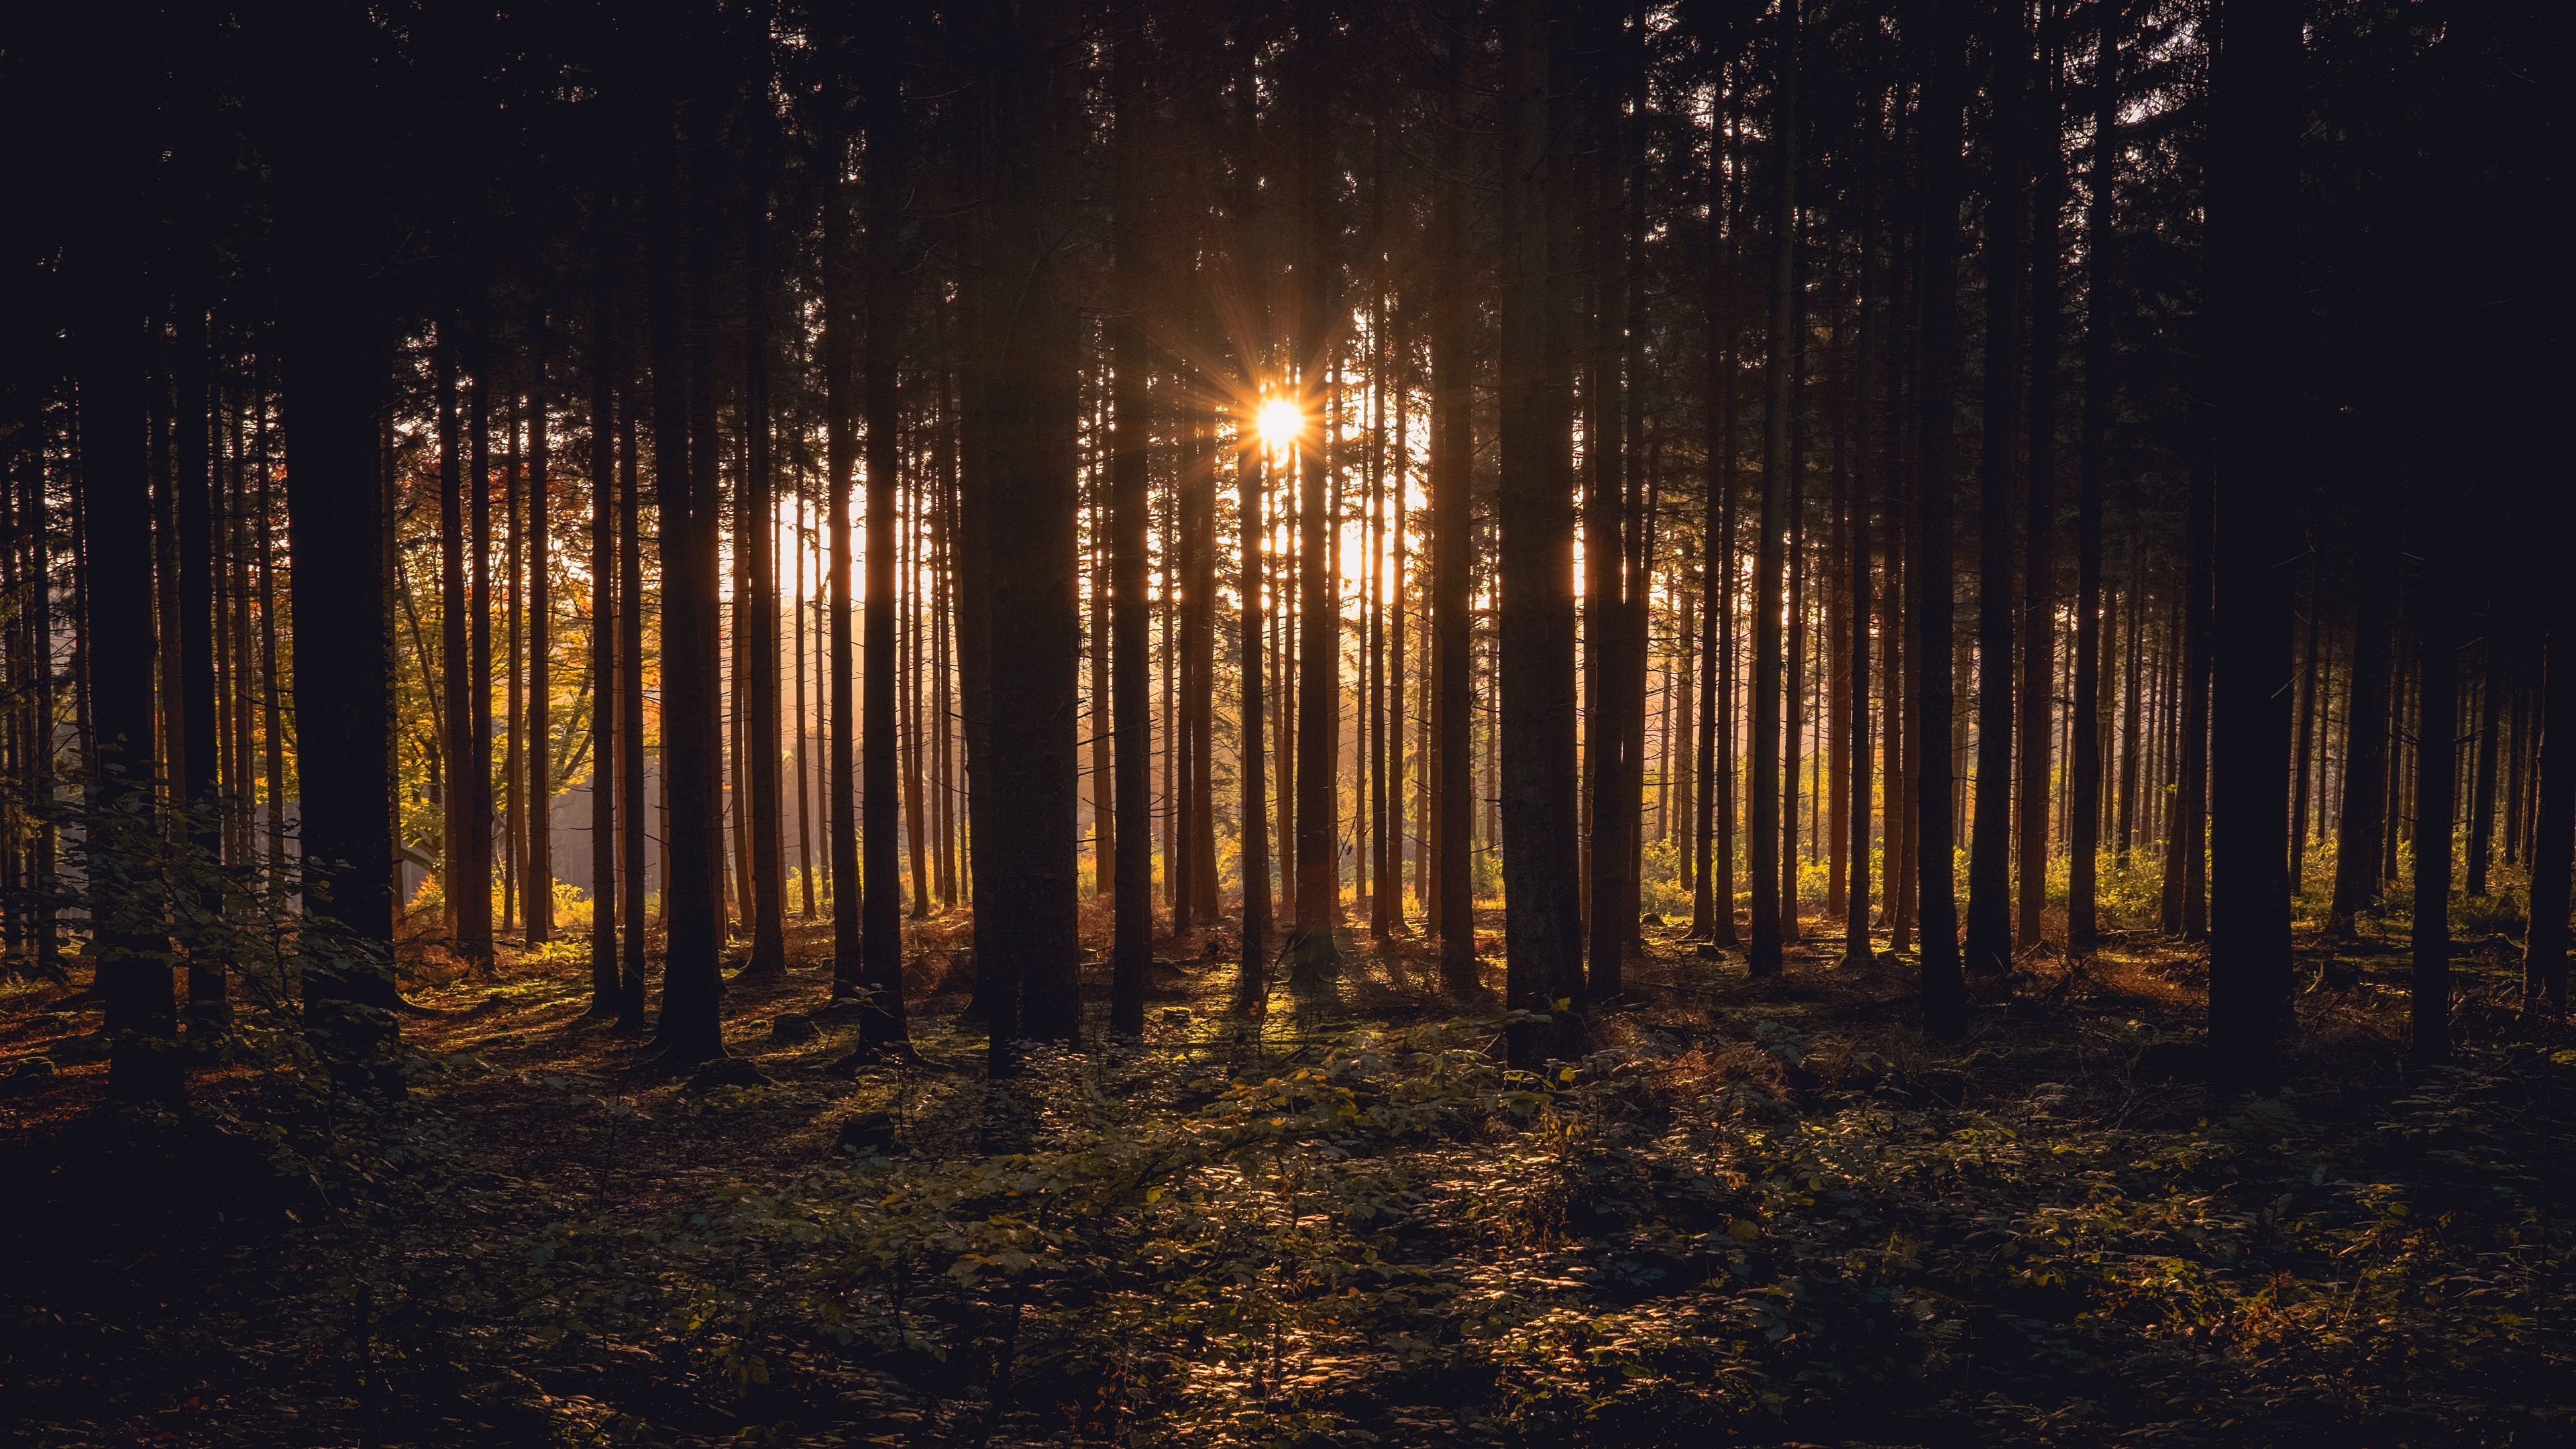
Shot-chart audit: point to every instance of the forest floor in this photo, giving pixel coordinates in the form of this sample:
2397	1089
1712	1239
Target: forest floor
1763	1212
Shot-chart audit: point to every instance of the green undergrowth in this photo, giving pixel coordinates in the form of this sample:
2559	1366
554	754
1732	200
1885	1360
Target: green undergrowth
1761	1225
1395	1240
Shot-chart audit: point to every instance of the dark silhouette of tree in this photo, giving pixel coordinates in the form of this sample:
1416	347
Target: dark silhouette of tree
1765	858
1945	990
1989	944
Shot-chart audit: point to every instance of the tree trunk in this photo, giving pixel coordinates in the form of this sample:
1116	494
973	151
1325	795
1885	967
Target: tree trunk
1944	986
843	328
1319	590
883	1026
1251	987
2039	518
1768	816
2553	840
2482	791
1542	923
692	758
537	896
756	635
630	685
2436	786
1130	523
333	367
1026	901
1856	949
2304	775
1452	557
2255	311
1989	945
1608	765
193	725
606	686
473	781
2083	926
133	976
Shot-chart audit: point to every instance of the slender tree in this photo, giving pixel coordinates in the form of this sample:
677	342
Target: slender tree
1132	949
1452	549
1542	919
1765	858
884	1025
1989	944
1945	993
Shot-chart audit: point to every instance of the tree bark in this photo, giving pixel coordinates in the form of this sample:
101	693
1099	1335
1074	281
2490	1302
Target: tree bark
842	329
1130	522
133	975
1542	921
1989	947
2083	925
2553	840
537	892
1452	557
756	639
1319	590
1609	768
1767	817
2482	790
884	1025
1026	879
2435	799
334	363
2252	294
692	758
1944	986
2039	518
606	684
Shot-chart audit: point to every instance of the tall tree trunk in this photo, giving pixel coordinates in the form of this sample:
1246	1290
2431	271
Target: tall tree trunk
2039	518
1130	523
1026	901
842	329
692	758
2553	840
1768	817
1251	986
2253	296
1944	986
884	1025
2358	831
630	685
2482	790
2083	926
1989	945
2186	823
1856	949
2304	774
537	896
193	724
133	976
1319	590
1608	766
473	782
333	369
2435	793
756	636
1542	922
606	685
1452	551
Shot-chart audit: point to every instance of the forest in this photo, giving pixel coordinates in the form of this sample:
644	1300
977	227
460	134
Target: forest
1286	723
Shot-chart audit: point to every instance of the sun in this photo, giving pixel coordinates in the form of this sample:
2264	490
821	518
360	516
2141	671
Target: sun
1279	422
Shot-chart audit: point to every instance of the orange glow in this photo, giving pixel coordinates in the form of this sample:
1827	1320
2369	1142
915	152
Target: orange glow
1279	423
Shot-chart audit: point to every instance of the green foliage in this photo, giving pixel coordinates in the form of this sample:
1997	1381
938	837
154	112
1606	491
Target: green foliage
1392	1234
